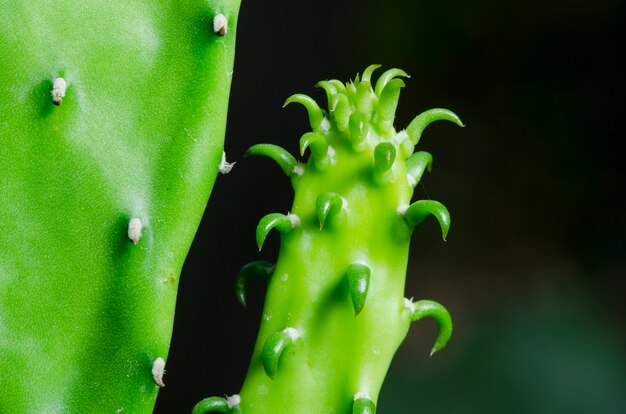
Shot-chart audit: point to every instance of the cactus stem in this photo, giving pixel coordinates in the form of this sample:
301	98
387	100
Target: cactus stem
158	370
59	87
258	269
220	25
350	251
274	347
225	166
135	228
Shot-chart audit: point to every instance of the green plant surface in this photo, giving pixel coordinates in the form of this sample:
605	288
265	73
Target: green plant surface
112	123
335	311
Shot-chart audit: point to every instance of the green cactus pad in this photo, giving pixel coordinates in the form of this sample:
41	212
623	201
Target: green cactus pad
112	127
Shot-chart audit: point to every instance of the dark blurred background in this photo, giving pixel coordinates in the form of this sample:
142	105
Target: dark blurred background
534	268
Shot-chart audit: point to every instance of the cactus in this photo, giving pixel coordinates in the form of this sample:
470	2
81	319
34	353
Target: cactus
335	311
113	119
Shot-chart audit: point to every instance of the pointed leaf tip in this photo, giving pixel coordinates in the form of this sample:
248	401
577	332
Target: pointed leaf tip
367	73
340	111
281	156
319	149
281	222
420	122
359	127
329	88
257	269
328	205
365	99
384	156
429	308
358	283
363	405
416	165
211	405
273	348
316	115
387	76
418	211
387	104
341	88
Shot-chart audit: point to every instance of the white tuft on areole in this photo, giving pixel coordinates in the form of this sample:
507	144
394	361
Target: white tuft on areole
158	370
233	401
225	166
401	137
331	154
359	395
298	169
294	220
220	25
292	332
135	228
325	124
408	304
402	209
59	87
411	180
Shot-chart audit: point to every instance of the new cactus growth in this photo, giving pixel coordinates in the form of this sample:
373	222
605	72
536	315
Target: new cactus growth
335	311
112	127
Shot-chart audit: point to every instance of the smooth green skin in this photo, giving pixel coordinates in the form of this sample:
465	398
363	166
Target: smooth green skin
338	354
84	313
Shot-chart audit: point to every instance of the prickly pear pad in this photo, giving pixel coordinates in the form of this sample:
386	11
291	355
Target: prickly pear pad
112	121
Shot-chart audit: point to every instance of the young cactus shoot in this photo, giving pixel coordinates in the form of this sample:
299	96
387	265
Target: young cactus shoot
335	311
